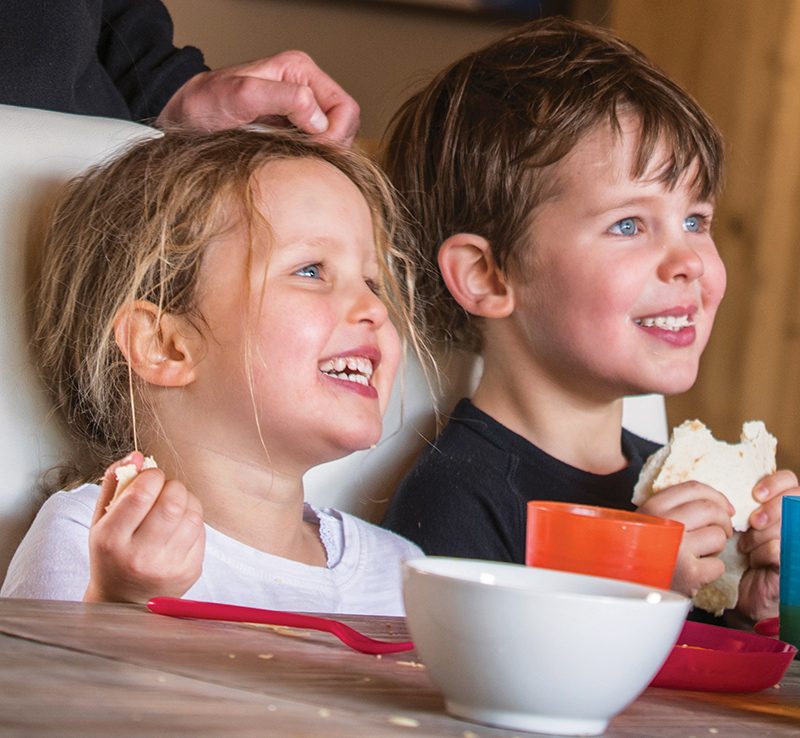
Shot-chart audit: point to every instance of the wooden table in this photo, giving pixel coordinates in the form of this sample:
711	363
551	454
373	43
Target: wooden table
71	669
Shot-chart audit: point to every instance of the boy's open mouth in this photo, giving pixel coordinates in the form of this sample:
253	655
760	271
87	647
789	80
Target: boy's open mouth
673	323
352	368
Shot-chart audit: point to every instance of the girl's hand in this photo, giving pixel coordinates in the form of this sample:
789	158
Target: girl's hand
706	516
758	588
149	542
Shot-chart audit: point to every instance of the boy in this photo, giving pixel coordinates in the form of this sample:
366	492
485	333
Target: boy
566	188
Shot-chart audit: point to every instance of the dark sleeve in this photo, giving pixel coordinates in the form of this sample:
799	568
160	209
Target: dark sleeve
136	49
447	509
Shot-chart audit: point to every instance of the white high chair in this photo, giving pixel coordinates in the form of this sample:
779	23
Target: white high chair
39	150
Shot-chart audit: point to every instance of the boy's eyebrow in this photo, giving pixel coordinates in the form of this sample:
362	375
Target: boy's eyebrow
633	202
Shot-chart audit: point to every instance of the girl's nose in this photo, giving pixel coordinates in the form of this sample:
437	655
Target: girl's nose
681	263
368	307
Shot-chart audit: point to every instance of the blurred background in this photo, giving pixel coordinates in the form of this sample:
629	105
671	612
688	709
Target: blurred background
741	60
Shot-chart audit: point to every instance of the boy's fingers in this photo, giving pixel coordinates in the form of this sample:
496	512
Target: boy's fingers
767	555
767	514
706	541
775	485
684	493
754	537
702	513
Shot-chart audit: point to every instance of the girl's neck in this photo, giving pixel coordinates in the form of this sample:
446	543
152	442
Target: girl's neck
250	502
582	433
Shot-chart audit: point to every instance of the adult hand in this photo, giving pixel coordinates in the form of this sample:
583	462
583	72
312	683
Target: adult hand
758	588
706	516
286	87
149	542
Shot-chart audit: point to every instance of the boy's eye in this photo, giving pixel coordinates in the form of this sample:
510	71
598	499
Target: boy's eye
625	227
313	271
695	223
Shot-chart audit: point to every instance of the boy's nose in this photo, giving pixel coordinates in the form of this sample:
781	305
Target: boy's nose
681	262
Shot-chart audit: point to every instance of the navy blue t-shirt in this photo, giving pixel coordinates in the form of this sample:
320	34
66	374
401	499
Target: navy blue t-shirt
467	494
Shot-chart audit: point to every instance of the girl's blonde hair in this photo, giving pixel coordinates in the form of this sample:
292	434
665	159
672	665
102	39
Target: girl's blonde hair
136	228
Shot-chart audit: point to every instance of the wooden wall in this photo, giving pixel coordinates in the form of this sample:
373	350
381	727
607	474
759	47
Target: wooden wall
741	59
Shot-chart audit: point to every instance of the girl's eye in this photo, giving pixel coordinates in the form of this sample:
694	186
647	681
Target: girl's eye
695	223
373	285
313	271
625	227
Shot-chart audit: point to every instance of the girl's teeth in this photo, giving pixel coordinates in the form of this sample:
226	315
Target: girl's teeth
350	368
667	322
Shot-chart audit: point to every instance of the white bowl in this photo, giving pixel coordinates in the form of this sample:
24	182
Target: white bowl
536	649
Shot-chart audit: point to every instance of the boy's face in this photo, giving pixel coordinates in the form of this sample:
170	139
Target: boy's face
322	352
623	278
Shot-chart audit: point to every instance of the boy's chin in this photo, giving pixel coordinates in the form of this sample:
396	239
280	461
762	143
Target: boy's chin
674	383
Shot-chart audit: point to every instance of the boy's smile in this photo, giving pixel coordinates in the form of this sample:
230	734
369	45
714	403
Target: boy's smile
622	280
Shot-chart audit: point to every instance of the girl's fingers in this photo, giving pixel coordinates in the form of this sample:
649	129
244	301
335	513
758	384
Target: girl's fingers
164	516
108	485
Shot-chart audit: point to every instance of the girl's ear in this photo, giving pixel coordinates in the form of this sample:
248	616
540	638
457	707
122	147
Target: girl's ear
473	278
161	348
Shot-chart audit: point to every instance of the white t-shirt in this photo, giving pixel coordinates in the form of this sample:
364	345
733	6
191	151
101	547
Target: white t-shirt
363	575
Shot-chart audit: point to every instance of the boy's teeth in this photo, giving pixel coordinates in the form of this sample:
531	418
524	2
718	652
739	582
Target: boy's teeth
666	322
352	368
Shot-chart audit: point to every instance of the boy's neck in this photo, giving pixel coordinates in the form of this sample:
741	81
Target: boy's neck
572	429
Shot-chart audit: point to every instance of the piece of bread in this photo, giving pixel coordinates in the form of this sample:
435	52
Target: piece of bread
126	473
693	454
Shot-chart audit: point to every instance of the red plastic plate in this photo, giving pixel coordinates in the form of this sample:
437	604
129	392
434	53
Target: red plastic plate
710	658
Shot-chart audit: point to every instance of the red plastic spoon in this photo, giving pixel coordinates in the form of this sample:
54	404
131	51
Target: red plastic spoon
235	613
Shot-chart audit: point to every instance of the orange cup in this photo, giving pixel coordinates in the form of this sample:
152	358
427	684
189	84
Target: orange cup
603	542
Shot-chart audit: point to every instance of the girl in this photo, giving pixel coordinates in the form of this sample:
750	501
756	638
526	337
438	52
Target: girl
223	300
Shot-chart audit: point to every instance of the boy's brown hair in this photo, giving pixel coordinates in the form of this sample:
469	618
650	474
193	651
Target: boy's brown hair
471	152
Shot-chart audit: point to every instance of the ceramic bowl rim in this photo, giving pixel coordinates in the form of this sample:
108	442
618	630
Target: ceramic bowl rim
638	592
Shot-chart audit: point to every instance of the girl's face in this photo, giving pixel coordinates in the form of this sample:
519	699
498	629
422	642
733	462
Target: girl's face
298	338
625	279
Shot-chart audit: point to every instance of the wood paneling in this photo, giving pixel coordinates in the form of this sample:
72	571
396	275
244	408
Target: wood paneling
741	60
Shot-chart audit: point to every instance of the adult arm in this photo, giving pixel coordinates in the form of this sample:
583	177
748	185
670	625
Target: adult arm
136	49
288	87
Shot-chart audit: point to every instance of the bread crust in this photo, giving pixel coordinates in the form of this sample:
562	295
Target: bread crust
126	473
693	454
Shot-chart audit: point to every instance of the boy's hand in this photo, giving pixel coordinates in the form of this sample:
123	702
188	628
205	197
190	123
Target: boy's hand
149	542
758	588
706	516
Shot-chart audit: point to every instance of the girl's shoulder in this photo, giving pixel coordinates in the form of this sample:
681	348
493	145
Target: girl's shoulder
78	503
353	533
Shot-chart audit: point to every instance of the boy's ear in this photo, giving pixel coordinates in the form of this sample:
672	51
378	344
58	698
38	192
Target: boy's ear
471	274
161	348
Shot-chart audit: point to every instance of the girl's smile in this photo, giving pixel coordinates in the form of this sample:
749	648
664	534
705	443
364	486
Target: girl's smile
355	368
